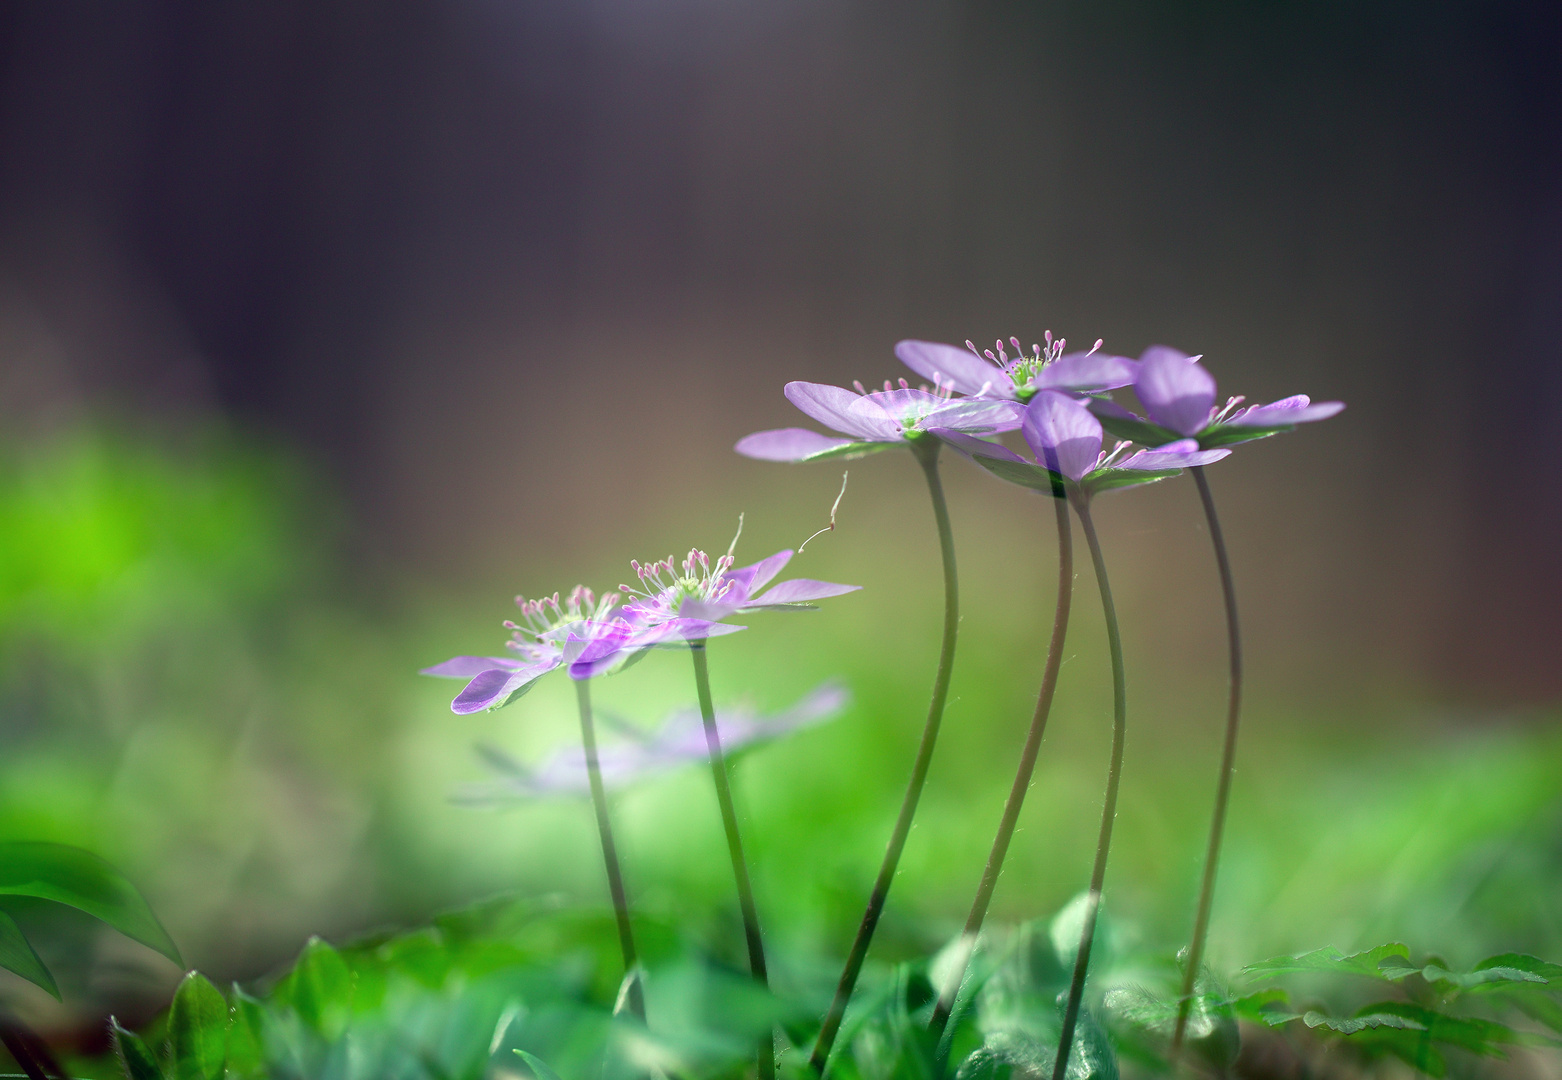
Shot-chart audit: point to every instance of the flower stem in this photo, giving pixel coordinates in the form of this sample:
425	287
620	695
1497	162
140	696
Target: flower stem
1076	989
729	821
1217	826
615	874
1022	775
926	453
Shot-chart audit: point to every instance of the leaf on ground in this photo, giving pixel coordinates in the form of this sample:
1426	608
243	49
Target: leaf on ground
1390	962
540	1068
16	954
197	1030
82	880
134	1057
320	988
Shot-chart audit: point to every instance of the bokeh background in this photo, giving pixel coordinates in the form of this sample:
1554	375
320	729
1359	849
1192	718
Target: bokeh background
326	327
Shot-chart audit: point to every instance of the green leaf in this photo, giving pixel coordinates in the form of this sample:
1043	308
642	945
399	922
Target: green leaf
246	1037
1271	1008
1378	963
1351	1025
1112	479
1036	477
849	452
1140	431
320	988
197	1030
540	1068
16	954
1444	979
134	1057
1530	965
1220	435
80	879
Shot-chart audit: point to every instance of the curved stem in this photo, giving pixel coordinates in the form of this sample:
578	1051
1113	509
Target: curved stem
729	822
1076	989
1023	774
1228	757
615	875
927	456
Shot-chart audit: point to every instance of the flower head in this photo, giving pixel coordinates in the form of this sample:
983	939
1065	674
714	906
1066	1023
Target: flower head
1065	441
993	373
582	633
685	601
895	416
679	740
1178	394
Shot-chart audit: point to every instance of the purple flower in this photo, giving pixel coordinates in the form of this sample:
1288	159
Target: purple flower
688	601
679	740
583	634
1178	393
874	421
1020	378
1065	440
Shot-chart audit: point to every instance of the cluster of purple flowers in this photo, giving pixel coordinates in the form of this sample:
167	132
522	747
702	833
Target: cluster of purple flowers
677	603
1059	405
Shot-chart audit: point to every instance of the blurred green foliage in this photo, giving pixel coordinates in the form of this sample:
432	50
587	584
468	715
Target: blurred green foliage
196	684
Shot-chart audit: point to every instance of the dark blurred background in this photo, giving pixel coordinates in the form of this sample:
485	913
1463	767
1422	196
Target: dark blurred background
436	242
510	277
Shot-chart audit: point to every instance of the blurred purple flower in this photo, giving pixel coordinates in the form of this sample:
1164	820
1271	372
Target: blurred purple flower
577	634
1065	441
678	741
995	374
1178	393
689	601
874	421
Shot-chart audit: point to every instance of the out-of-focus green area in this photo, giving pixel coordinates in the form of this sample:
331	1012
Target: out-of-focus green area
196	683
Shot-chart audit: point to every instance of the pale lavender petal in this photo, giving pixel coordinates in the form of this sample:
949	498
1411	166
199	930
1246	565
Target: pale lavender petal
681	631
974	447
832	406
959	369
901	405
1062	434
464	667
595	642
757	576
1291	410
800	591
1183	454
975	415
490	688
1177	392
787	444
713	611
1087	373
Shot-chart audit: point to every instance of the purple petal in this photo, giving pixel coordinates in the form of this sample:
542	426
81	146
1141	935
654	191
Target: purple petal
959	369
753	578
787	444
1087	372
1109	408
464	667
680	631
975	415
1183	454
889	411
1062	434
971	446
1177	392
800	591
832	406
598	642
1291	410
491	688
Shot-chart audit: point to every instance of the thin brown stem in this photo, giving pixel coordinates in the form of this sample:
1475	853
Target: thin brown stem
729	822
615	875
1228	759
1076	989
926	453
1022	775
